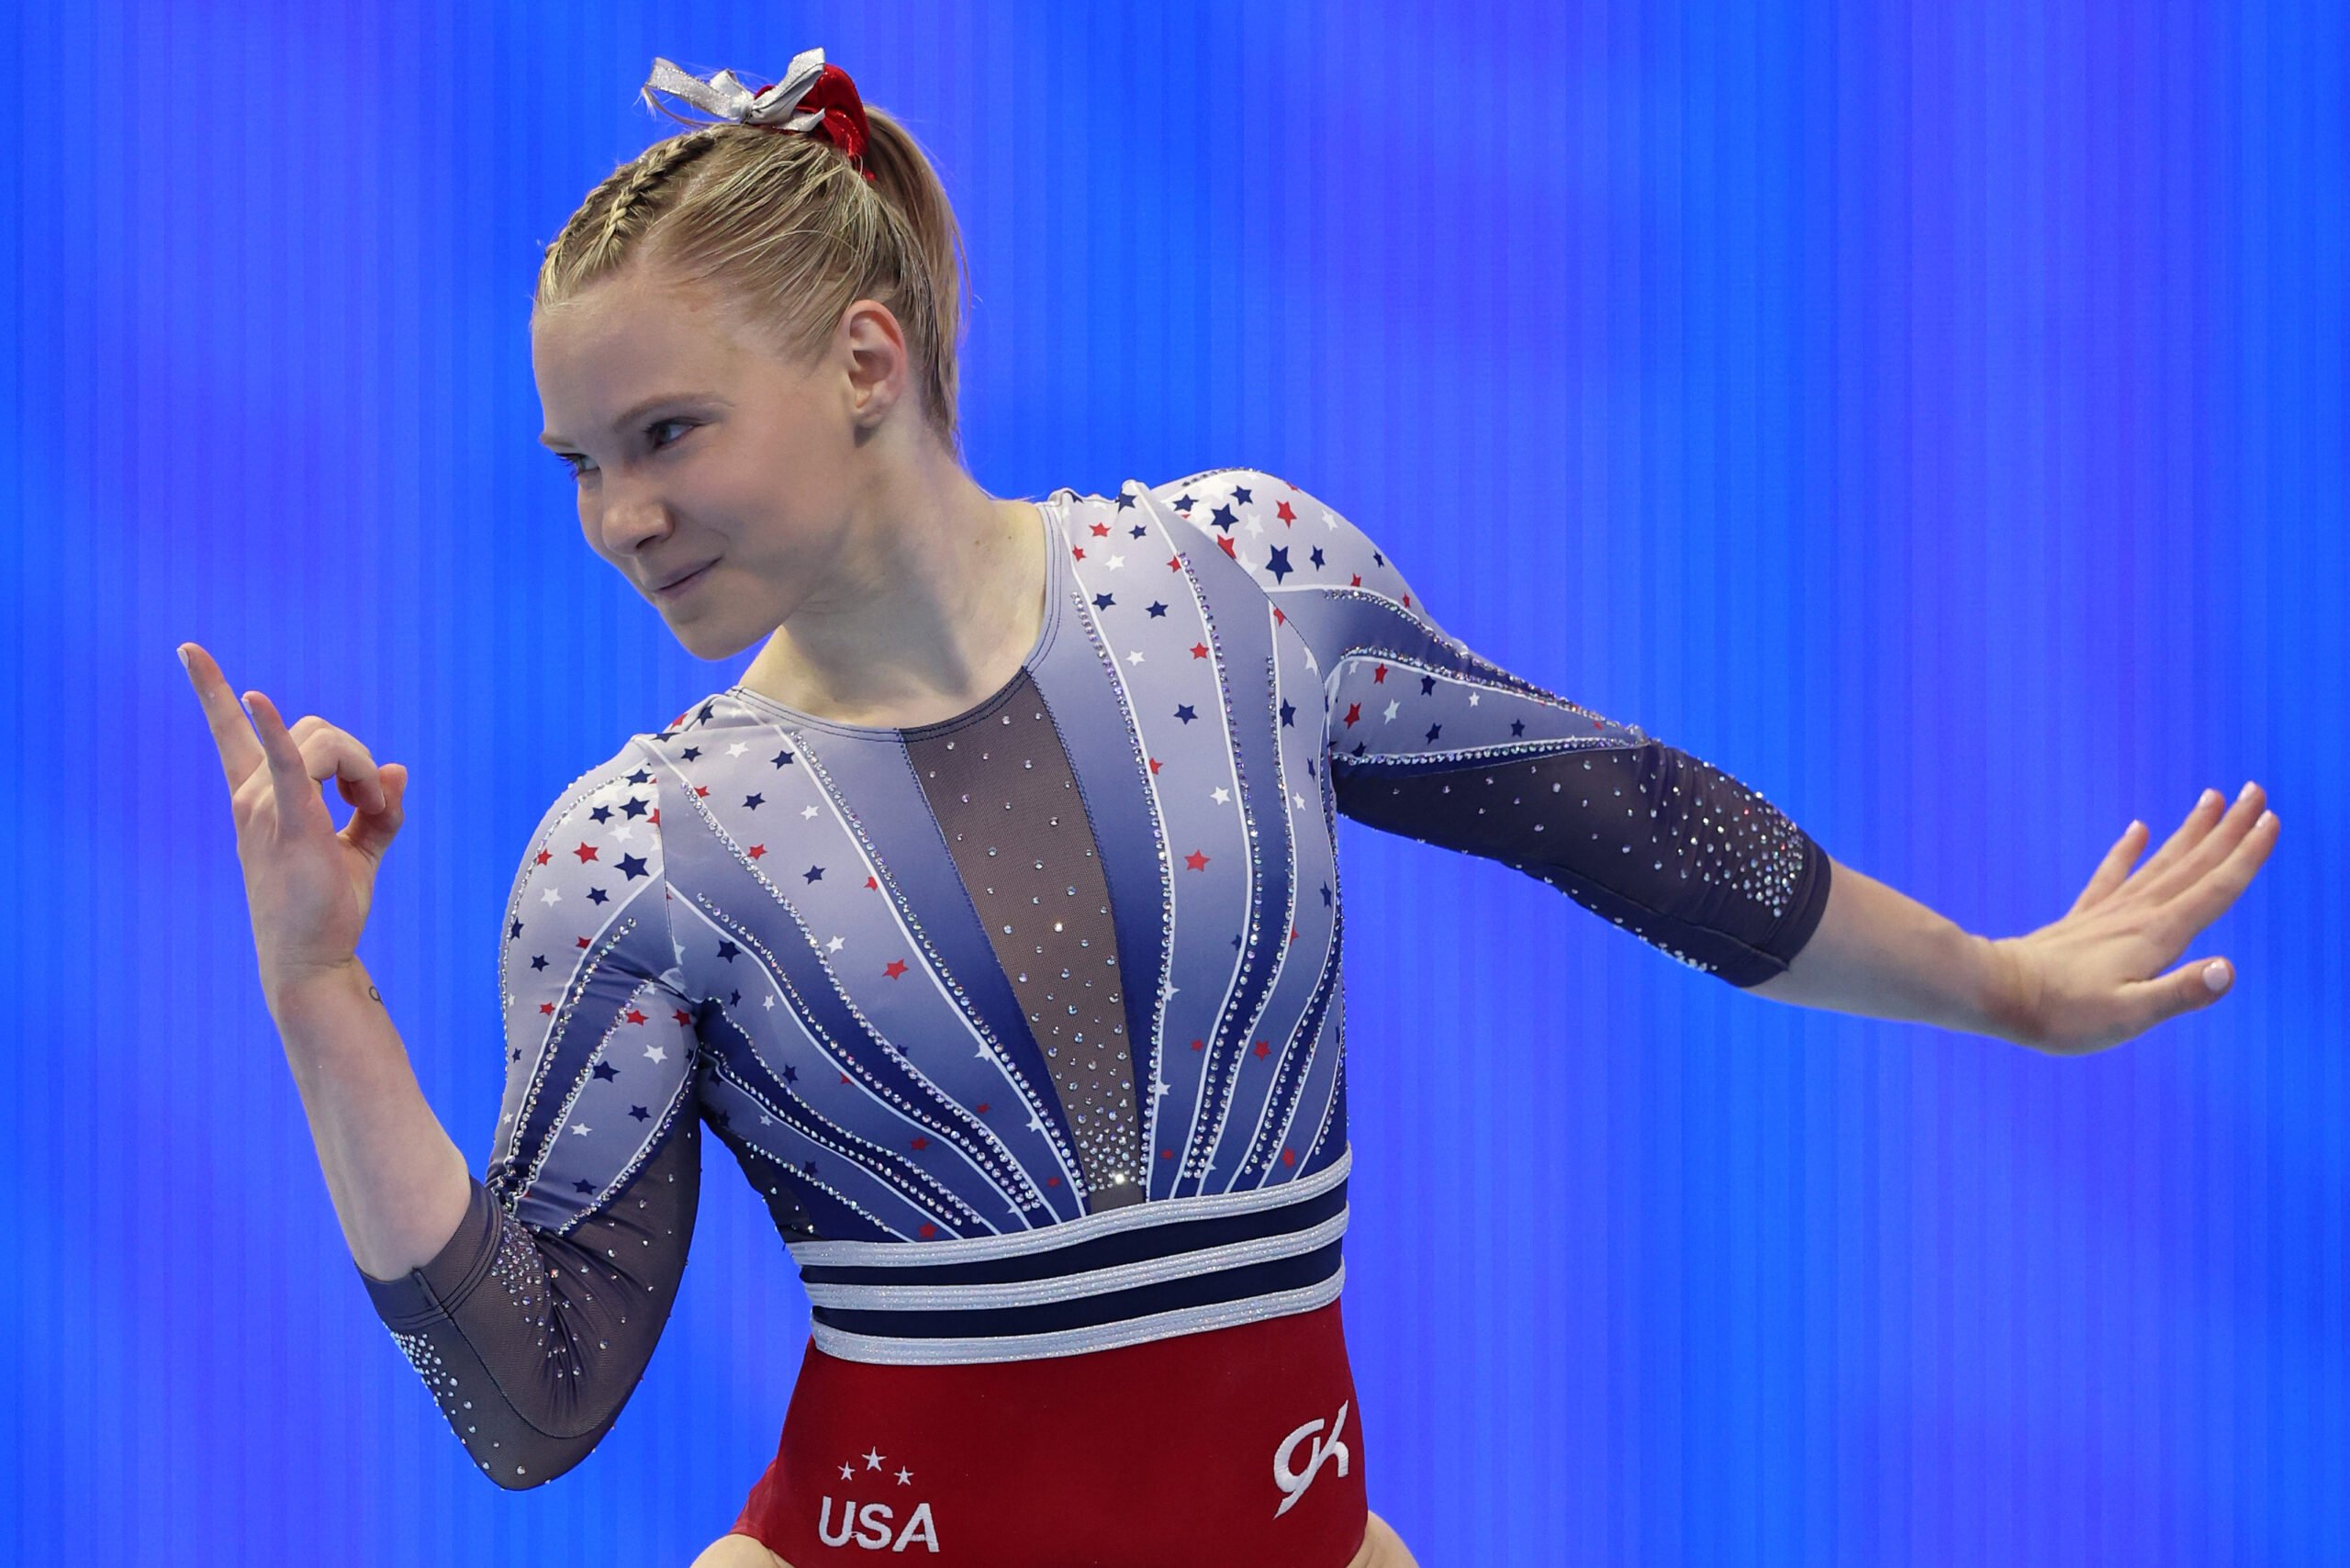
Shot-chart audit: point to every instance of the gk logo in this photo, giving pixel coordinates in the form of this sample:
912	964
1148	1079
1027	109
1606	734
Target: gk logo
1295	1483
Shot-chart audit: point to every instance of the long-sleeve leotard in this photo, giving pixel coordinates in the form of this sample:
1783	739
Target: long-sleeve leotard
1049	993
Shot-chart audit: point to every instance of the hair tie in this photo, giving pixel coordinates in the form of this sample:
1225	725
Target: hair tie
813	97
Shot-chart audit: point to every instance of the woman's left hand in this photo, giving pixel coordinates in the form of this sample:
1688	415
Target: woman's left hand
2094	978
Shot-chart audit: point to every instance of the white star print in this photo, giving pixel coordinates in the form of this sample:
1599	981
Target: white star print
848	1472
1113	562
835	945
872	1459
808	811
550	896
1473	695
1134	657
905	1477
657	1053
1221	795
1392	706
580	1128
738	748
771	1001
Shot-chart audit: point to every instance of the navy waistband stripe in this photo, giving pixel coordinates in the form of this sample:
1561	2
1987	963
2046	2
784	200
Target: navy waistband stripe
1091	1311
1101	1253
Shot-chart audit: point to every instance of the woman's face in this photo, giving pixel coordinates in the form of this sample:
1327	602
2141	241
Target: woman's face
699	449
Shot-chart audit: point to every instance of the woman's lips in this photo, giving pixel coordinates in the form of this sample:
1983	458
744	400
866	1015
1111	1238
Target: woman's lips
683	584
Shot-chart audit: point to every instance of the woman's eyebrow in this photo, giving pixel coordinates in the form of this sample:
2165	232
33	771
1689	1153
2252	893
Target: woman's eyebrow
634	412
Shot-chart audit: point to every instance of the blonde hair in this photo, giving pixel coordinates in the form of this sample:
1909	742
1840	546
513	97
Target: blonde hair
781	227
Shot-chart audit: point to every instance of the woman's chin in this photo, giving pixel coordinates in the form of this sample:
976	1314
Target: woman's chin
711	640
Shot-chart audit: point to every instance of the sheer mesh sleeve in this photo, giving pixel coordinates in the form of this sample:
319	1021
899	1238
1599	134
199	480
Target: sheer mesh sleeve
1429	740
533	1323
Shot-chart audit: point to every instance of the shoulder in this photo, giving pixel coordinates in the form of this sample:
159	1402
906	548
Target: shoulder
620	788
1289	538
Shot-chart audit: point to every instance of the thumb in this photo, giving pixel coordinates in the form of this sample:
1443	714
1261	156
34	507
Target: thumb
2203	983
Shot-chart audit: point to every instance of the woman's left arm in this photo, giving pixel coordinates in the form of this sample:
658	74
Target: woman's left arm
2083	984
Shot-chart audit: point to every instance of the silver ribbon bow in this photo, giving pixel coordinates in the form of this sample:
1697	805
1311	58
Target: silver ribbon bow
723	94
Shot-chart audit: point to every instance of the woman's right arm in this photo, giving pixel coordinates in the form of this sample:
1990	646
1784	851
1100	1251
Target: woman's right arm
530	1299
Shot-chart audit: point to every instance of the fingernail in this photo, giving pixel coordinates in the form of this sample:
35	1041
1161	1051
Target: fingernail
2215	975
2207	798
182	654
2244	793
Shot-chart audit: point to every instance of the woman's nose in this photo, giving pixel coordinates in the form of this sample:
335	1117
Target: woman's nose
630	515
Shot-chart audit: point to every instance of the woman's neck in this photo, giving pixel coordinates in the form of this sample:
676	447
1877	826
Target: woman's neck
944	596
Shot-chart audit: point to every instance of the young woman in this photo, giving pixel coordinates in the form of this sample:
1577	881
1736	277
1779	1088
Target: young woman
991	922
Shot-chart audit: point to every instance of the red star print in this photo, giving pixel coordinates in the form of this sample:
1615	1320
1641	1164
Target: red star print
1288	1157
1355	581
546	1008
1227	541
585	852
1354	711
1174	563
920	1143
1199	1044
634	1016
1284	513
700	789
982	1107
1199	650
872	882
1100	529
756	850
928	1230
1154	764
681	1016
1263	1050
1195	861
896	966
543	857
655	818
1378	674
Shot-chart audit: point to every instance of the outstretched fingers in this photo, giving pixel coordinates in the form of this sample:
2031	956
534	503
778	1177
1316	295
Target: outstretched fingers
240	754
2207	899
2113	870
289	774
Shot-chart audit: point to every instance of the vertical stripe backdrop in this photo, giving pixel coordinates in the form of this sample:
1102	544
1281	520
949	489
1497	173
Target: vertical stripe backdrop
1931	414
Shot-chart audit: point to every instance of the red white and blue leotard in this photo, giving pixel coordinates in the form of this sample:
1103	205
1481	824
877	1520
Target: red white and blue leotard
1028	1027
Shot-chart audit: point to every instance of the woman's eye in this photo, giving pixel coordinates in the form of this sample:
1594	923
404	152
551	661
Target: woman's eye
577	466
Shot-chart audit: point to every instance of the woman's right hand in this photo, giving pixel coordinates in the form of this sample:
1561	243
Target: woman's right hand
306	885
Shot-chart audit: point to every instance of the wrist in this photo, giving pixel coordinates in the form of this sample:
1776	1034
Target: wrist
294	995
2008	1004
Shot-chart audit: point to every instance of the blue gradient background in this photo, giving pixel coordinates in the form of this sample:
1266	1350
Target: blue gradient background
1933	415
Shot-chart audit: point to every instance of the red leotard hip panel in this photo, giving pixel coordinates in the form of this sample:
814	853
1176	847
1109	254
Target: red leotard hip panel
1239	1447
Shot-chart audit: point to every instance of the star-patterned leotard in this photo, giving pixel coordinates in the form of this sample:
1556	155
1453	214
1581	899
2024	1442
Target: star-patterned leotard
1026	1024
